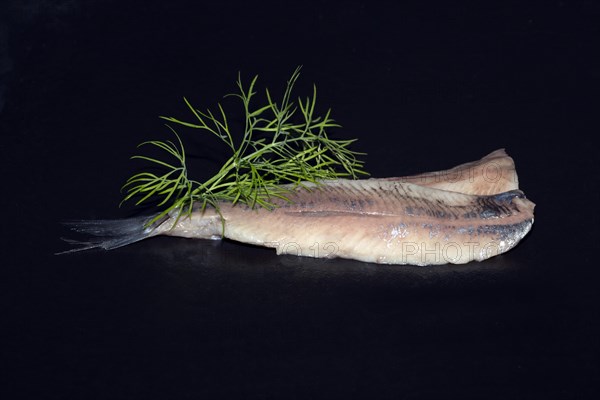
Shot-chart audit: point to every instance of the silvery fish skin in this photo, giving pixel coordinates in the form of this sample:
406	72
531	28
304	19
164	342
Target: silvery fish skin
473	216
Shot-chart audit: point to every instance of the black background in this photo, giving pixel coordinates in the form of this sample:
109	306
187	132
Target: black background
423	85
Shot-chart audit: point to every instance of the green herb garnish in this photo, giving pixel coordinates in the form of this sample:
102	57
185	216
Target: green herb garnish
278	147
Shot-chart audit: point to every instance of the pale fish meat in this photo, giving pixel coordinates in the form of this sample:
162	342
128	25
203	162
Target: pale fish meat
493	174
470	212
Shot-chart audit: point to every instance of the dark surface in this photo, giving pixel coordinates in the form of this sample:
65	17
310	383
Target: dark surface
423	88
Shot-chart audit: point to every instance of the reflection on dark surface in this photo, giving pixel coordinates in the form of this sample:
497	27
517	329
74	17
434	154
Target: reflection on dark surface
235	319
242	259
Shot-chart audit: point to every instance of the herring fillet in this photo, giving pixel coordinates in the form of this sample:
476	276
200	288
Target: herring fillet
492	174
373	221
472	216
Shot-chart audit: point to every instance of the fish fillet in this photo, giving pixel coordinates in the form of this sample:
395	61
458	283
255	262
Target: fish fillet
470	212
493	174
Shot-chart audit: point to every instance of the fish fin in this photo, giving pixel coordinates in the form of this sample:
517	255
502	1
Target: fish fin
110	234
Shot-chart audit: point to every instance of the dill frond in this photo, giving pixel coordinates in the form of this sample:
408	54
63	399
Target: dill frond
282	143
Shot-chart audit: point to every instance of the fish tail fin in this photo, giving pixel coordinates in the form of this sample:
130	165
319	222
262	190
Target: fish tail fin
111	234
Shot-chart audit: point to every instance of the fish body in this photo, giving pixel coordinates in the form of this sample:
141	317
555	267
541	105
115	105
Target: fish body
372	220
418	220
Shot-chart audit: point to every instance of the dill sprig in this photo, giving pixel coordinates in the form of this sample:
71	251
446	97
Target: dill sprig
278	150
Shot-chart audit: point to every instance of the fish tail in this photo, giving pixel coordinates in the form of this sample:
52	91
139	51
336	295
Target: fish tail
111	234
